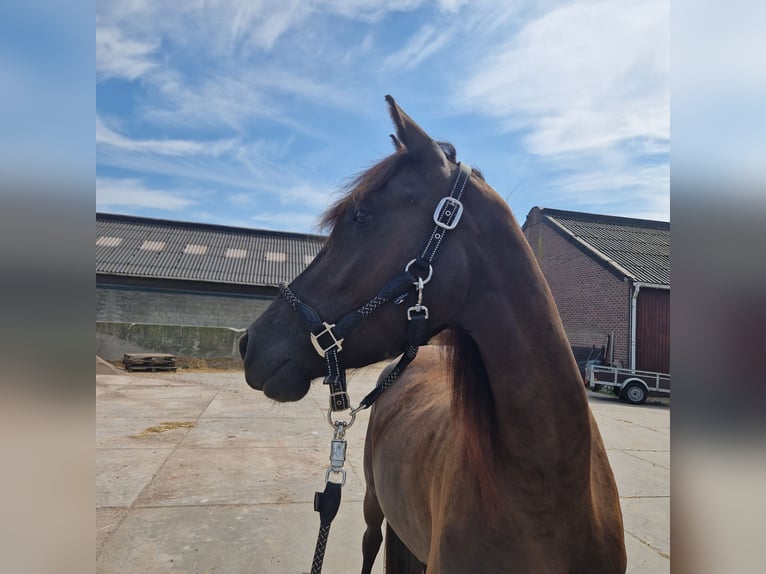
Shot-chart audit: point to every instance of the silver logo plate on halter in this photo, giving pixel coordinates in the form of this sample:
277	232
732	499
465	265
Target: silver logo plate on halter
450	207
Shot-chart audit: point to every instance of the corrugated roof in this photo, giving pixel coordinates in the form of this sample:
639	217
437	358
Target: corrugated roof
638	248
200	252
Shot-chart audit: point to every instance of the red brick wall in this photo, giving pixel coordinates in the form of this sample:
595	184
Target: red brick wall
592	301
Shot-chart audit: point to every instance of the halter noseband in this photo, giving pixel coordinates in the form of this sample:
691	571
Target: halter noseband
327	338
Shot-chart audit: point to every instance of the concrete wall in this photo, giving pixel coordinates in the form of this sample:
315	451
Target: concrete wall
113	340
166	307
592	301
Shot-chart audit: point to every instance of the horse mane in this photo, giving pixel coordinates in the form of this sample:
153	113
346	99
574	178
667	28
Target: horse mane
473	404
357	188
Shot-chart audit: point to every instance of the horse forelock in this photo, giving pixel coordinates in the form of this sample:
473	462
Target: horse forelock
374	178
360	186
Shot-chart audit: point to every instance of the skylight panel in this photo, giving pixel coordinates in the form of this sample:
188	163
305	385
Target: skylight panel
152	246
232	253
107	241
192	249
276	256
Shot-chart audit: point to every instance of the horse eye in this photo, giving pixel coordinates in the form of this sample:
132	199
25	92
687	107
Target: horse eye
362	215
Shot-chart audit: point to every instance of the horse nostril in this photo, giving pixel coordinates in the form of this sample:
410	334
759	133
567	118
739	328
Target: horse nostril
243	345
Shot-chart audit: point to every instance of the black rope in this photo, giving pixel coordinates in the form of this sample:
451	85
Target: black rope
326	504
409	355
319	550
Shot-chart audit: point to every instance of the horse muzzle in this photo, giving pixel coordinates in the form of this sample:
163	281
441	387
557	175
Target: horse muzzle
281	376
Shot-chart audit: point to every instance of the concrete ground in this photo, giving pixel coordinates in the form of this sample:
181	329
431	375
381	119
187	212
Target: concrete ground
228	486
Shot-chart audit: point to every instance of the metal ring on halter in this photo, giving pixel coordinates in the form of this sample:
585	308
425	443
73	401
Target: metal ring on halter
430	271
334	424
339	471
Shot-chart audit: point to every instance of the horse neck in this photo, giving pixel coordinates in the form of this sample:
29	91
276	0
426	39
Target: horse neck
536	390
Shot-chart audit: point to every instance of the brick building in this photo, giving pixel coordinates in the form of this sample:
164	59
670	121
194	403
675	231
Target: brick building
610	277
194	277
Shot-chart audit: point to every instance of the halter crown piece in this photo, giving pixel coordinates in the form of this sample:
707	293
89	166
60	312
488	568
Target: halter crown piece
328	338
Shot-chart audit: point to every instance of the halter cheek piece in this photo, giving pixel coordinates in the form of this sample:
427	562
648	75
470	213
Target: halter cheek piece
328	338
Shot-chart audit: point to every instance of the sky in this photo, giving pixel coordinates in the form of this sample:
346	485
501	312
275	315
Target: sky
255	113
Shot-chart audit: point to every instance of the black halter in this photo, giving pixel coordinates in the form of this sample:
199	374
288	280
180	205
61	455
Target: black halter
328	338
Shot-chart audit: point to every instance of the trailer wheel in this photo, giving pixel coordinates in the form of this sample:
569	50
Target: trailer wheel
634	393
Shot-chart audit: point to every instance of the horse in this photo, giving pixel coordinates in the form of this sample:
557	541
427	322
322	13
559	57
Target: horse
484	455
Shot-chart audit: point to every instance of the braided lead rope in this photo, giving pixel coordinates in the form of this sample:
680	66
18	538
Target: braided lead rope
409	355
372	305
289	296
365	310
320	548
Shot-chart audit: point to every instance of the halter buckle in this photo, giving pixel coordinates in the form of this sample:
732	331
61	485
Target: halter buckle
336	343
449	207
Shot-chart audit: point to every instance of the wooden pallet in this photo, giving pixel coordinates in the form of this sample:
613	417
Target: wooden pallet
149	362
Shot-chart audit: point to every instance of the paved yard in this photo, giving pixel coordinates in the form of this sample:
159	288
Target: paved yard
228	486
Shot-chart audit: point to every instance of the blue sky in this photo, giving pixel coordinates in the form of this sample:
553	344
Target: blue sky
253	113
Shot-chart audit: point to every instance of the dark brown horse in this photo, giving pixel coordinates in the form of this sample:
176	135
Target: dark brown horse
484	455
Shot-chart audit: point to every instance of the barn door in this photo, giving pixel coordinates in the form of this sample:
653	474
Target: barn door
653	330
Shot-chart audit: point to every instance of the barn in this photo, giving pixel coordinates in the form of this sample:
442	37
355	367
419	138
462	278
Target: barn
187	288
610	278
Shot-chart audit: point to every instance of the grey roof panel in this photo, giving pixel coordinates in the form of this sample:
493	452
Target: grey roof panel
639	246
171	262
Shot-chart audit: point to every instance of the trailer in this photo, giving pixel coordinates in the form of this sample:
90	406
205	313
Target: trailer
630	385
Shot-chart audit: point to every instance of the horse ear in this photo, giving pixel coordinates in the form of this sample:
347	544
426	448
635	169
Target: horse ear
417	142
397	144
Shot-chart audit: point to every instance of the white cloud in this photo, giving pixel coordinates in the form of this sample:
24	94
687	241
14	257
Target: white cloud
132	193
234	99
306	194
613	185
421	46
173	147
366	10
286	220
583	76
252	167
451	6
121	57
219	62
245	24
616	182
233	28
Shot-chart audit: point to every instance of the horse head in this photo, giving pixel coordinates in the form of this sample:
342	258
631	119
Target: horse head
377	228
